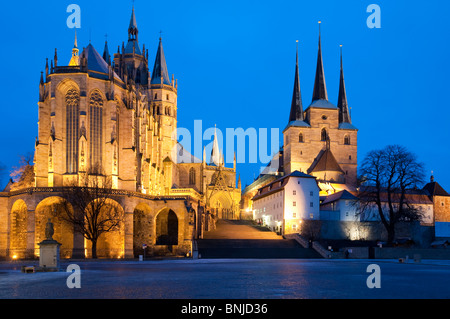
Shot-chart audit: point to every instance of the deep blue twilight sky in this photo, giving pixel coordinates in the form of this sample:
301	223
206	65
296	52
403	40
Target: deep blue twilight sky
234	61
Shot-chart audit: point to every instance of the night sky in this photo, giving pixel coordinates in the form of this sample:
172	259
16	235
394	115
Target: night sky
235	60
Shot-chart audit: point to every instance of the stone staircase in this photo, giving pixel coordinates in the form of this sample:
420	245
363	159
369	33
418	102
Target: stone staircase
242	239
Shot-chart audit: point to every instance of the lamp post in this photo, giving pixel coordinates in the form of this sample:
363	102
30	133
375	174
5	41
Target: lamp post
144	247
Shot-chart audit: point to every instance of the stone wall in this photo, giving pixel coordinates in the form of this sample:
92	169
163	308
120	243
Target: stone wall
369	231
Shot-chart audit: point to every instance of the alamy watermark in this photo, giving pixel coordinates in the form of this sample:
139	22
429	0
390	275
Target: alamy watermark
239	145
374	279
74	279
374	19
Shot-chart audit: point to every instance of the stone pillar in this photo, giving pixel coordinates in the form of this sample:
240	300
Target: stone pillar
78	250
31	235
128	230
5	217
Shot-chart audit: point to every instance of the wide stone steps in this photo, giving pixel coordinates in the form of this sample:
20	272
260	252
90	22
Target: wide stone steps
244	239
253	248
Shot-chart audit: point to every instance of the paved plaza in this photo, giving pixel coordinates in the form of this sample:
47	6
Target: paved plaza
230	279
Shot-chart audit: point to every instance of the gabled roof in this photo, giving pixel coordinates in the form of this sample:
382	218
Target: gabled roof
338	196
325	163
279	184
434	189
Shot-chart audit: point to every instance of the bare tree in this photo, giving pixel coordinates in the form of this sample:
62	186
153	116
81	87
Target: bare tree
388	176
23	174
89	207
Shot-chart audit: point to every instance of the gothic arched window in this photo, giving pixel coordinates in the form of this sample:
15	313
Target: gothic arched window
95	130
72	100
300	138
191	176
323	135
347	140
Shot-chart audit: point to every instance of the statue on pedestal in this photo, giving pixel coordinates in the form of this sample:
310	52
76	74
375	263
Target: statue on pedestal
49	230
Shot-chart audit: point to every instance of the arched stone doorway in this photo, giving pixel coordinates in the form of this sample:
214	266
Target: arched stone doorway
142	228
18	229
51	208
166	228
222	205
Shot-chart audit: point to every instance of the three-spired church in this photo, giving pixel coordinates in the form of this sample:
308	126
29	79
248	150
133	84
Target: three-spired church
117	115
319	140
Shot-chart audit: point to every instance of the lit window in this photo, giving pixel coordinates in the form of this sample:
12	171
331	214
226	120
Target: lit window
294	204
294	215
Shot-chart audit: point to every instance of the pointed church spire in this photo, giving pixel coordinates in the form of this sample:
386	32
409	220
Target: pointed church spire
344	115
296	105
106	55
75	60
216	157
133	29
320	88
160	75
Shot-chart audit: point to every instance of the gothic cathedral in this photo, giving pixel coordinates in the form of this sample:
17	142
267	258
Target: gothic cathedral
114	116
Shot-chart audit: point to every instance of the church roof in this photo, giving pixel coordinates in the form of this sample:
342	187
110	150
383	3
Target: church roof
323	104
160	67
96	63
325	163
347	126
434	189
132	44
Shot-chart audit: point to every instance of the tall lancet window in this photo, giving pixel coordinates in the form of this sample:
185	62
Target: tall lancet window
323	135
191	176
95	131
72	122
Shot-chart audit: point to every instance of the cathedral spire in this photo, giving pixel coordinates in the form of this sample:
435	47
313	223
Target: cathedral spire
160	75
133	29
75	60
106	55
296	105
320	88
344	115
216	157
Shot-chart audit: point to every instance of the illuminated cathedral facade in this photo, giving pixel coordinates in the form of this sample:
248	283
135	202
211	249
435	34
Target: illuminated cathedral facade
112	115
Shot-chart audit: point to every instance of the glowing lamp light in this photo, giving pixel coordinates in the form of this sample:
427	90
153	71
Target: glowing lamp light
14	257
